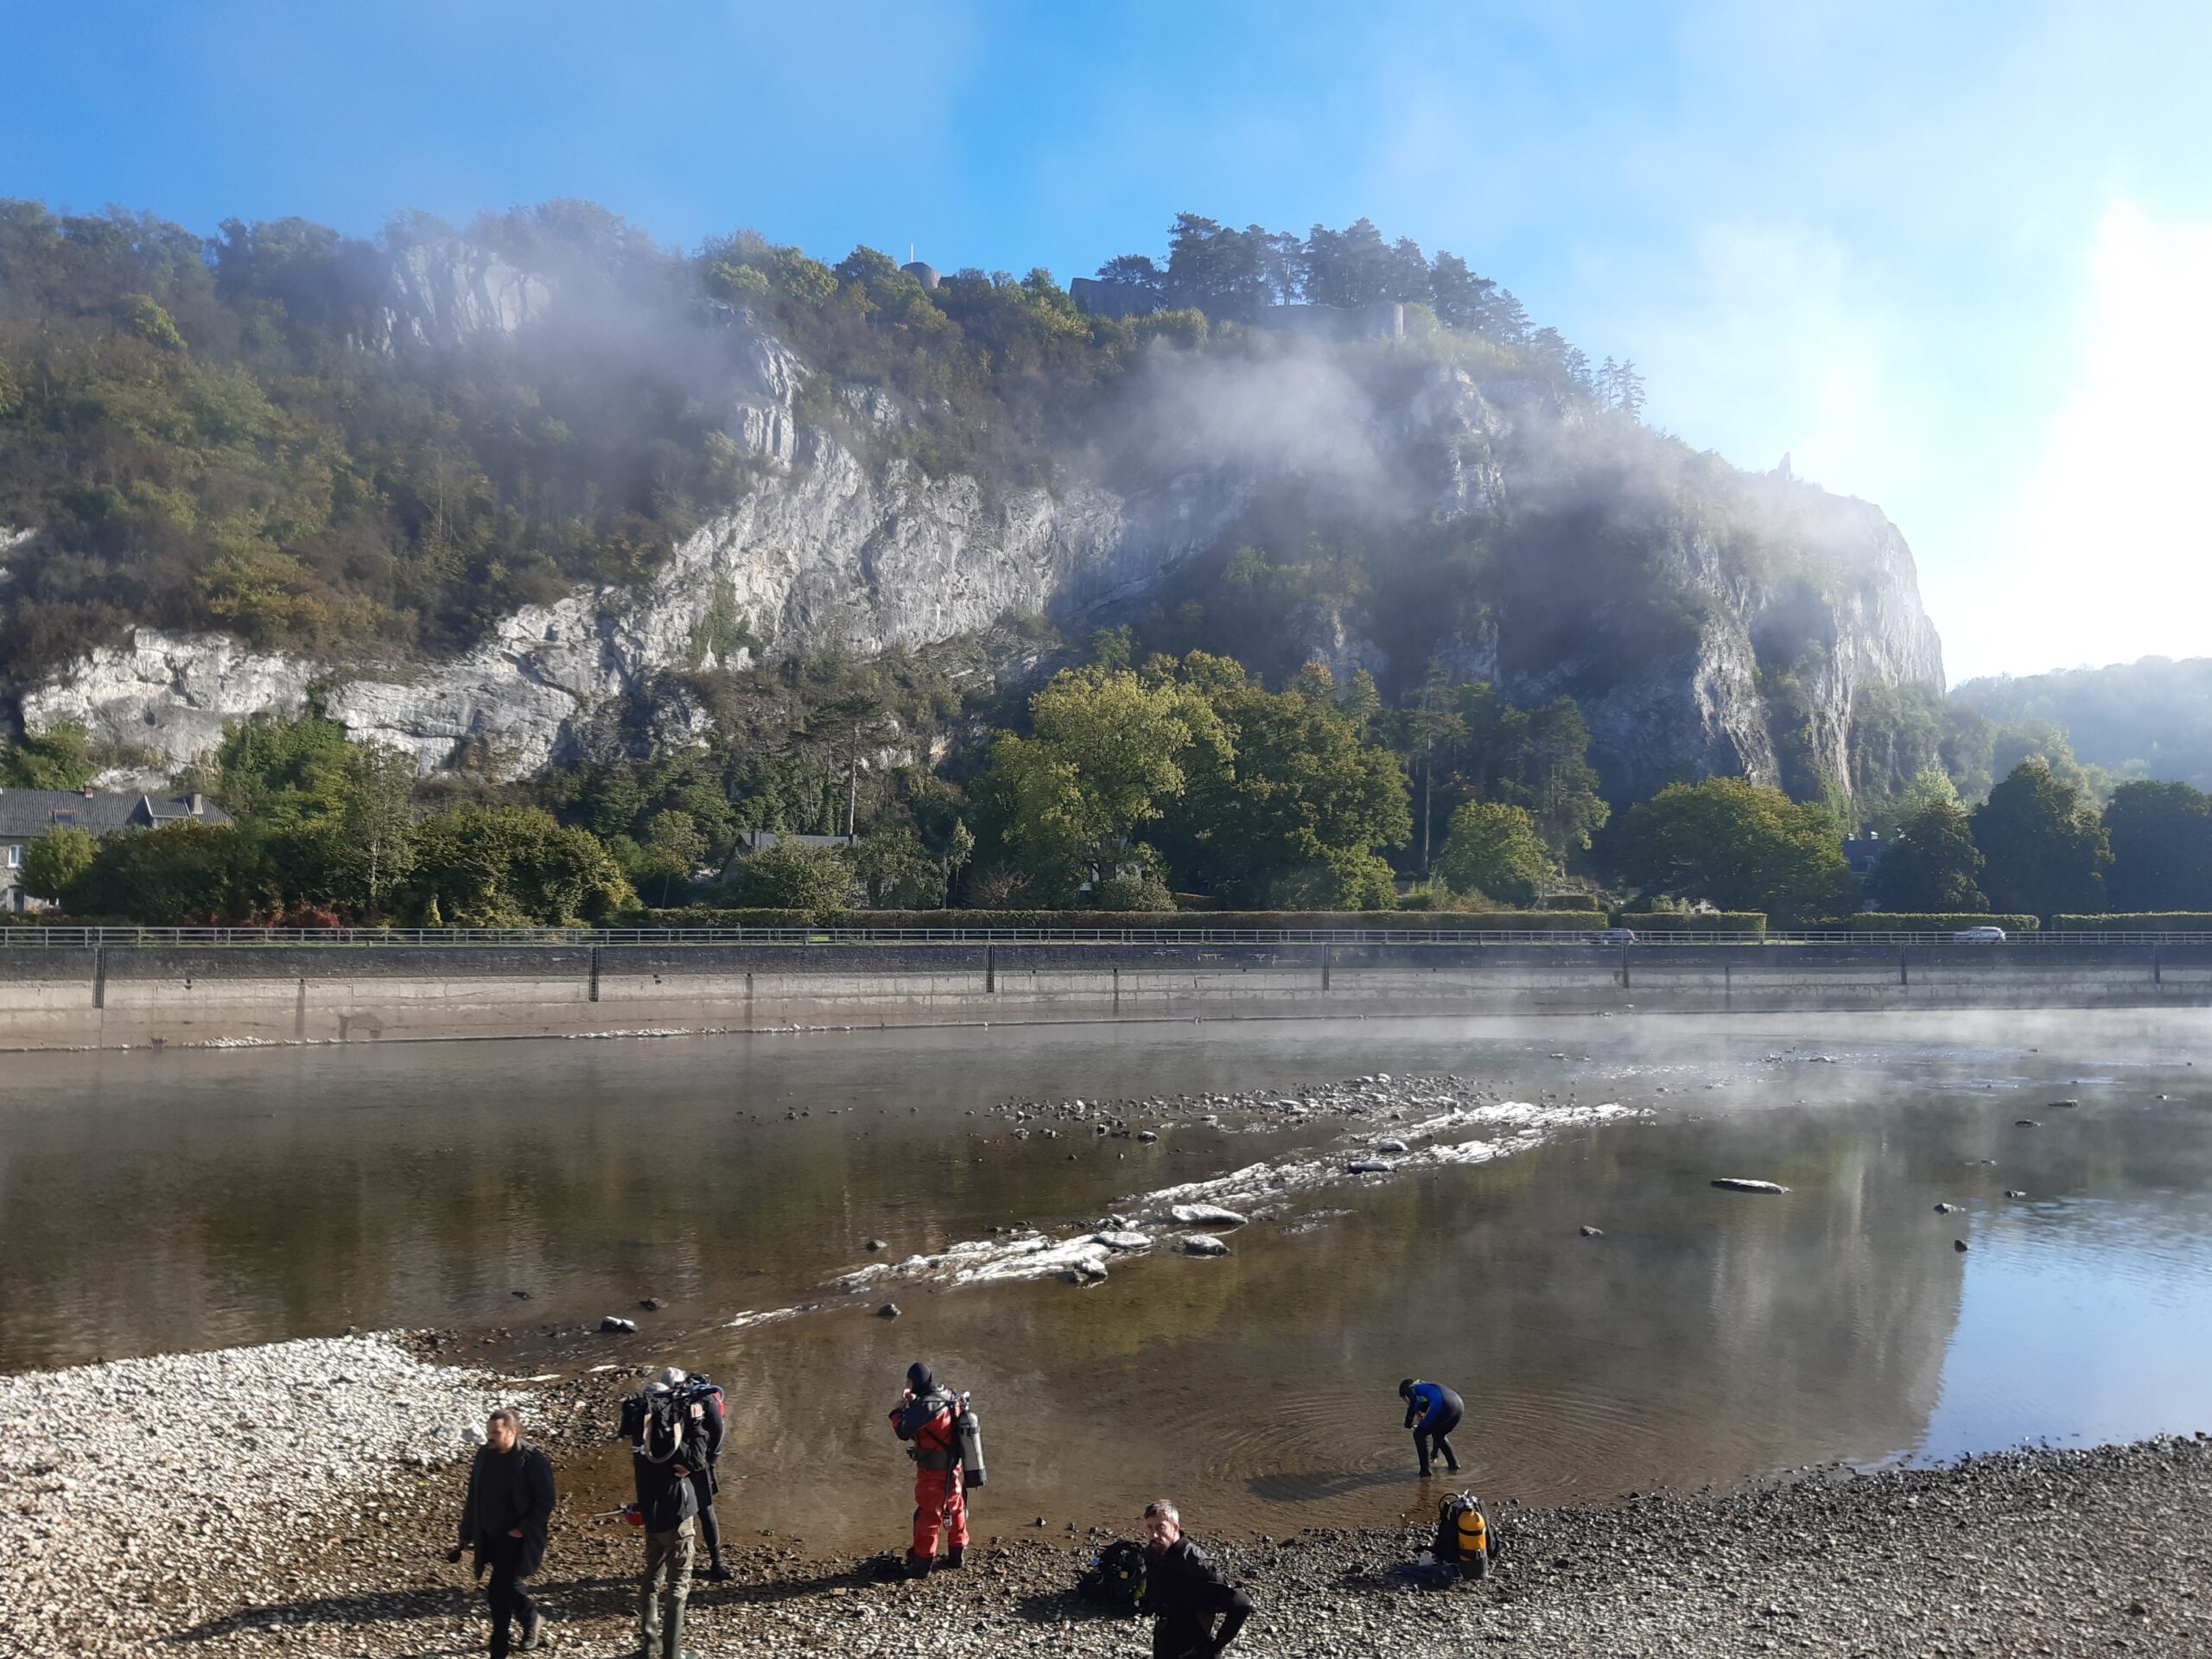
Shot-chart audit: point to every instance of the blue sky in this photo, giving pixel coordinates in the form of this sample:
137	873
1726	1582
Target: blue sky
1953	258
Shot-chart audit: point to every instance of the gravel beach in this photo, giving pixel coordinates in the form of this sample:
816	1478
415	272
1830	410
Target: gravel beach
298	1497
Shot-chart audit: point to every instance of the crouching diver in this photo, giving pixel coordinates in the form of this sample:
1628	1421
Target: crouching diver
927	1417
1433	1411
1185	1592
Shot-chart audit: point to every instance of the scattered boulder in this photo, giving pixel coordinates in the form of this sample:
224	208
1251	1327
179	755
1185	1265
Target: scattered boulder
651	1304
1147	1135
2012	1192
885	1243
1367	1166
1740	1184
888	1310
1389	1146
1120	1240
612	1327
1204	1244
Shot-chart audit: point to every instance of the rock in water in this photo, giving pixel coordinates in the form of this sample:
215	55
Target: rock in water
612	1327
2010	1192
1389	1146
1960	1245
1740	1183
1368	1167
1206	1215
651	1304
2025	1123
1204	1244
878	1244
1125	1241
1945	1209
1589	1231
888	1310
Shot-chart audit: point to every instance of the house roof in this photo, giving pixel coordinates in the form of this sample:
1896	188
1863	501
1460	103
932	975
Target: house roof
26	814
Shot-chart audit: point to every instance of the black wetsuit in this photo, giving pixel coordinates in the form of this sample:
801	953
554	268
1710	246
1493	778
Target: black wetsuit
706	1445
1186	1592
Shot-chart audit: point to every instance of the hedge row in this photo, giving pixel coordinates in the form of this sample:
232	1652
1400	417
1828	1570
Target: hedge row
1519	920
2136	921
1675	921
1900	921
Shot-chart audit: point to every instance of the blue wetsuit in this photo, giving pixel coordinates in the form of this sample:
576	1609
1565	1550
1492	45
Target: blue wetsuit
1433	1411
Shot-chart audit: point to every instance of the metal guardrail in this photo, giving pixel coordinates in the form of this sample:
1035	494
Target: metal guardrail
32	937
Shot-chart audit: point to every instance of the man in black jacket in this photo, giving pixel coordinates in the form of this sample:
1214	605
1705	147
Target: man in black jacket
1185	1592
503	1520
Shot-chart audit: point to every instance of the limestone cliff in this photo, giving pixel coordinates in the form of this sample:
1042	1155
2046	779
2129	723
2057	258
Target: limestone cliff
1777	593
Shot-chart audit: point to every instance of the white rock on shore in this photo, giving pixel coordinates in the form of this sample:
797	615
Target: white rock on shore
180	1482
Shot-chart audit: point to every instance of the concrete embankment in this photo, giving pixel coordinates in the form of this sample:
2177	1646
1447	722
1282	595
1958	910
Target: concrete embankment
114	996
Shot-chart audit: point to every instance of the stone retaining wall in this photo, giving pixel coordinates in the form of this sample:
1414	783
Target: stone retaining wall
110	997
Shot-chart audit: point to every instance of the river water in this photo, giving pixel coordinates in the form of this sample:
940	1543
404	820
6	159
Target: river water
152	1202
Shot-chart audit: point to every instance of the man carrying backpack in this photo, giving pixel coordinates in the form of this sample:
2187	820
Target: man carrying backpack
1185	1592
1433	1411
927	1418
503	1520
702	1404
668	1506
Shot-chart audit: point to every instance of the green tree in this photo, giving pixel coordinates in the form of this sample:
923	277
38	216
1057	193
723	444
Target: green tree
1932	864
55	862
2046	851
1106	750
897	871
1495	850
792	875
2161	838
1741	847
58	758
178	875
514	867
1287	805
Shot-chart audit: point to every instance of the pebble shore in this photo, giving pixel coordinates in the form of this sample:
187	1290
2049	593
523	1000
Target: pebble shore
298	1498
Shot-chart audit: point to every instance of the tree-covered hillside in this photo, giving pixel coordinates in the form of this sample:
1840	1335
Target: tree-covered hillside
2151	718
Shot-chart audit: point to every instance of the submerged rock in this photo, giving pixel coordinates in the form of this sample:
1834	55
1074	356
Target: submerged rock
1204	1244
1588	1232
1120	1241
1368	1167
612	1326
1206	1215
1740	1184
888	1310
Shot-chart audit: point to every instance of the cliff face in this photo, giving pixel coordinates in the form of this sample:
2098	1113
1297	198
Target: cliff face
836	542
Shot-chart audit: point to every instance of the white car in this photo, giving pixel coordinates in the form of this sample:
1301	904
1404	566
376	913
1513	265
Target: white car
1978	936
1613	936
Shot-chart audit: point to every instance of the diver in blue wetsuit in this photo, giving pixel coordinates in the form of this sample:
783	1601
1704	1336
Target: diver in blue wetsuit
1433	1411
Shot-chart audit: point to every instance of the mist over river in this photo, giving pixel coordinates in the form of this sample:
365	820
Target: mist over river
151	1202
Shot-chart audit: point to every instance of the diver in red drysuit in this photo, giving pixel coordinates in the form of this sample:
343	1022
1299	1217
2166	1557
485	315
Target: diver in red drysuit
927	1419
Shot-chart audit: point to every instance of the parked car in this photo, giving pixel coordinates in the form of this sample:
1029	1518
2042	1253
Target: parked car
1613	936
1978	936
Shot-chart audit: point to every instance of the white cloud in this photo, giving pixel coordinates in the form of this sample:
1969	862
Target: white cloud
2105	552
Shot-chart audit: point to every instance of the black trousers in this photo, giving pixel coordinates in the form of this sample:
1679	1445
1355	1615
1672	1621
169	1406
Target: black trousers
1181	1635
505	1593
1436	1431
710	1530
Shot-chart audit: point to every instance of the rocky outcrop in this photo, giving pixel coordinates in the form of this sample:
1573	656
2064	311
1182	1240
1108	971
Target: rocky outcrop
836	541
443	295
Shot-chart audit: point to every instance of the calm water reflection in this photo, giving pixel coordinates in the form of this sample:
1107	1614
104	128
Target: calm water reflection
160	1201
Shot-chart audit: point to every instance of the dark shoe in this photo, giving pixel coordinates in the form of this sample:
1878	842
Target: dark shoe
956	1556
719	1574
917	1566
1424	1471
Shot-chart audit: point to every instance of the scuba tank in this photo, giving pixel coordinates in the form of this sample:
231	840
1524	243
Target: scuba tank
970	1433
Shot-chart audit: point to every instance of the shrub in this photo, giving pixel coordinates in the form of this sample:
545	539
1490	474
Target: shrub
2136	921
1529	920
1686	921
1914	921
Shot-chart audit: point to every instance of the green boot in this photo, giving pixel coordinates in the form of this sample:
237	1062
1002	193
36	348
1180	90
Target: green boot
672	1635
